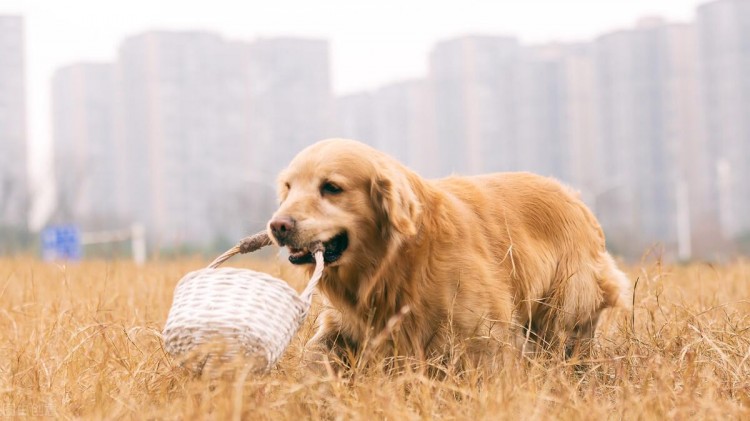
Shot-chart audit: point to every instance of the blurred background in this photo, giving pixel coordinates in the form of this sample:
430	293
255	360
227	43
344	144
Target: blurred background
164	123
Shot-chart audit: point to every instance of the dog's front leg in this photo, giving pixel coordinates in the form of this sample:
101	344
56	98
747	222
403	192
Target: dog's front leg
331	350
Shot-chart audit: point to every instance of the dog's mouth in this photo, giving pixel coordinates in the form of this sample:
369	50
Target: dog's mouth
334	248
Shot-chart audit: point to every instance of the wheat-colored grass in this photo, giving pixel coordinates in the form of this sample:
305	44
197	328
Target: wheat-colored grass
82	341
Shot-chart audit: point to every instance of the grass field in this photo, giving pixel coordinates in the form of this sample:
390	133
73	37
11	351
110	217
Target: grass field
82	341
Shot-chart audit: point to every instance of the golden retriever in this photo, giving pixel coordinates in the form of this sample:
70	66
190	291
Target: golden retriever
481	260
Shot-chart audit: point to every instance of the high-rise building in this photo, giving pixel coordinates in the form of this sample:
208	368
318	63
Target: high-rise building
474	83
579	126
182	133
205	124
404	125
289	106
355	117
291	101
14	192
647	120
396	119
697	207
650	124
724	65
540	112
83	142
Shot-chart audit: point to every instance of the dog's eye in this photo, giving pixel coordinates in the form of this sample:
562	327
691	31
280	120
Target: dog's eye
330	188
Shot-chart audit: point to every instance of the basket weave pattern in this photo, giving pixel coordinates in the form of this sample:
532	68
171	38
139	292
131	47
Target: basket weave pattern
255	312
246	313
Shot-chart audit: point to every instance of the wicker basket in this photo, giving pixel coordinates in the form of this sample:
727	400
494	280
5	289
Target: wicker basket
229	314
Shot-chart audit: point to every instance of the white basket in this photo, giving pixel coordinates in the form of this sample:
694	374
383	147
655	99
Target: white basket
229	313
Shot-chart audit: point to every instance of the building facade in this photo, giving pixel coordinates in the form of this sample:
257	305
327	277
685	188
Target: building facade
724	65
650	124
181	99
632	152
474	83
397	119
186	132
85	161
14	185
291	99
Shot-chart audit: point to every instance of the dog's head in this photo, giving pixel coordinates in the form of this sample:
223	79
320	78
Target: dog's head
353	198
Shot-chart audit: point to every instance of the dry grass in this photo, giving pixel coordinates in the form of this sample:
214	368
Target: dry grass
82	341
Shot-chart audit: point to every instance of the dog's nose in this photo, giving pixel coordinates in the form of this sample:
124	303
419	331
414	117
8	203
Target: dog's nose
281	227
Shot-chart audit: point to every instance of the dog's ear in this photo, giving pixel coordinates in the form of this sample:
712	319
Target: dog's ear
395	202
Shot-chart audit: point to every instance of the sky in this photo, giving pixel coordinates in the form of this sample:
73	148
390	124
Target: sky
372	42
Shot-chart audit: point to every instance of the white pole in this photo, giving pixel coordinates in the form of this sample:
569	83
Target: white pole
684	246
726	217
138	243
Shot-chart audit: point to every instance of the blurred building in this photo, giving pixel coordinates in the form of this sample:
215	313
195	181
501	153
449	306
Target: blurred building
649	123
291	100
696	190
405	125
85	158
355	117
289	106
181	129
203	125
724	68
396	119
541	112
186	132
14	192
580	123
474	83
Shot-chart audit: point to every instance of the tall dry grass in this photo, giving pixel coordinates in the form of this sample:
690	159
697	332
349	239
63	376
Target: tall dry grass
82	341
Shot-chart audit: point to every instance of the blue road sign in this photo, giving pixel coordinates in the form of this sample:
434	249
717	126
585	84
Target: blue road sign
61	242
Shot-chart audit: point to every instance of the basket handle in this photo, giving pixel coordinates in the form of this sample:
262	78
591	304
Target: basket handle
317	251
246	245
260	240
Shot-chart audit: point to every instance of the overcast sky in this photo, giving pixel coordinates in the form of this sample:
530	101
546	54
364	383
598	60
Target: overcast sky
372	42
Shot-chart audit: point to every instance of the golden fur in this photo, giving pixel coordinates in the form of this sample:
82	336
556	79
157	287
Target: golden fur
480	260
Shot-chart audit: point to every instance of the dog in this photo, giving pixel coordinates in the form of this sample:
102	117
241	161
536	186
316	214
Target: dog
478	261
